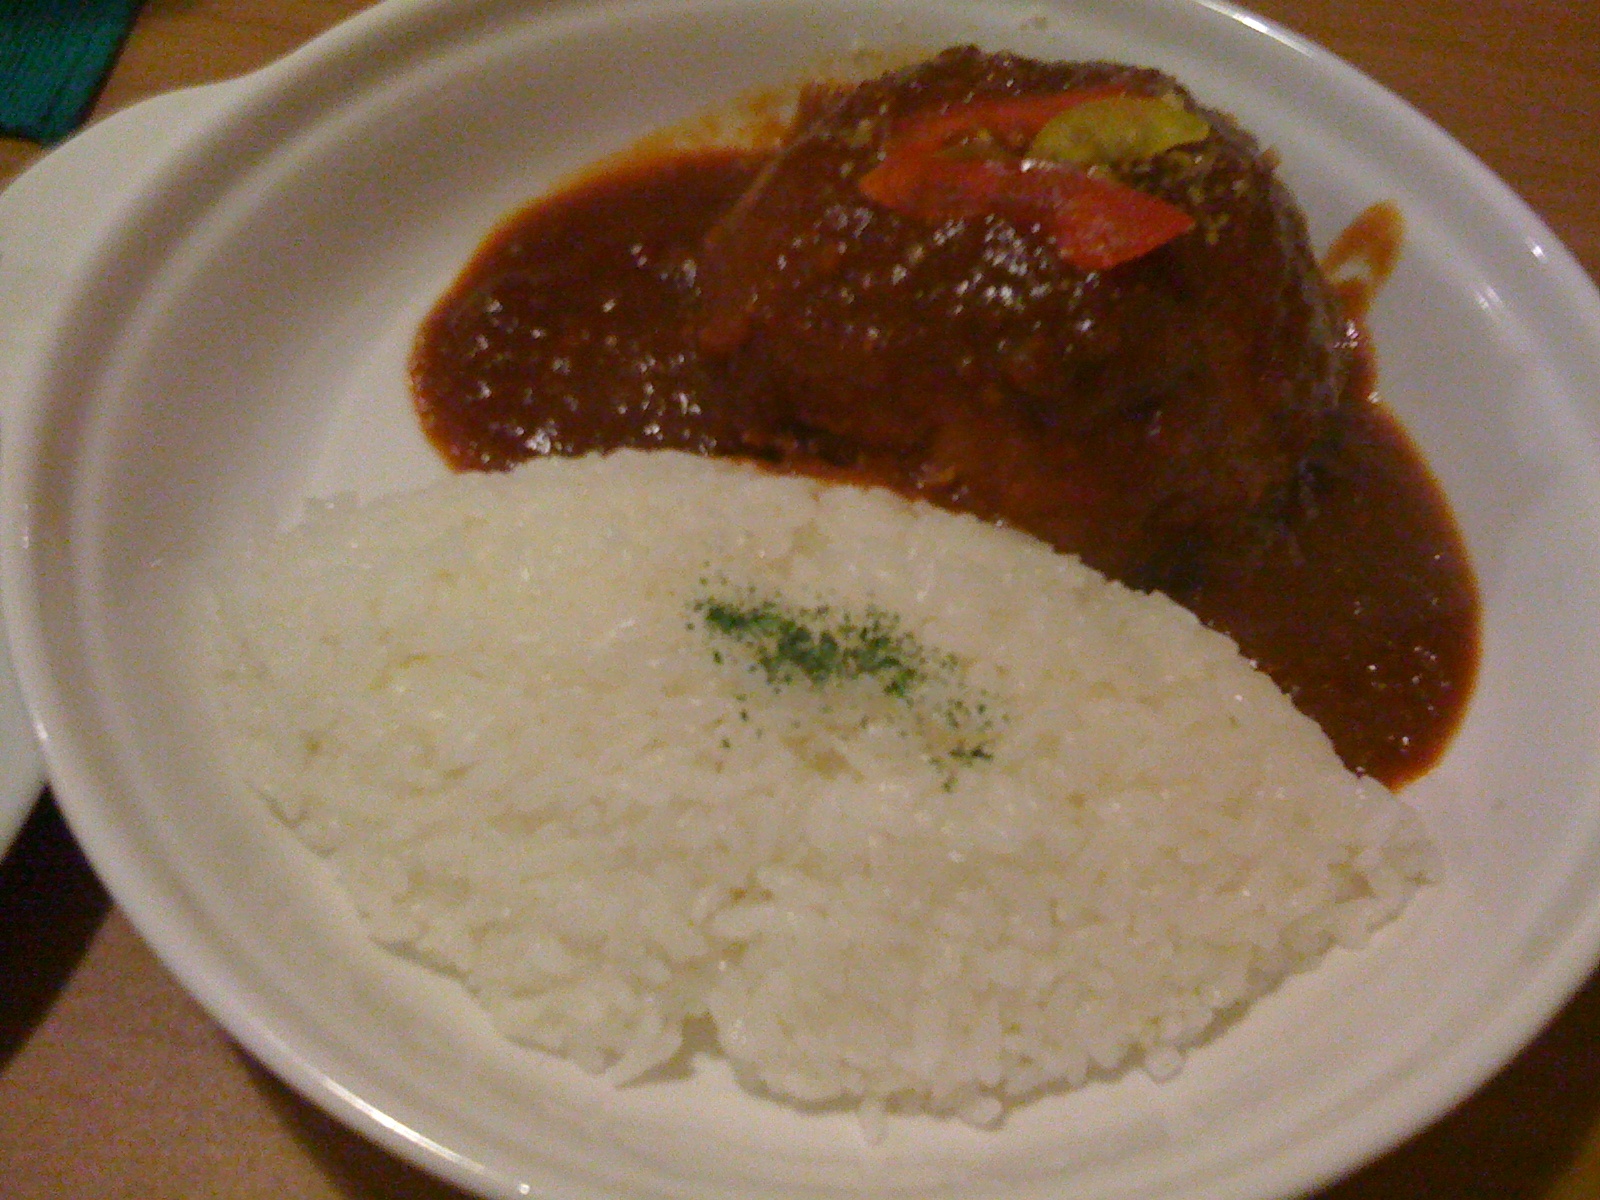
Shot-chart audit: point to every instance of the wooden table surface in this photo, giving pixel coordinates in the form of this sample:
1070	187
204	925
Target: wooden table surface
113	1083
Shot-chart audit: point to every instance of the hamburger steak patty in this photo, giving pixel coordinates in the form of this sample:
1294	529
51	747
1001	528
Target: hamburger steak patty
1179	395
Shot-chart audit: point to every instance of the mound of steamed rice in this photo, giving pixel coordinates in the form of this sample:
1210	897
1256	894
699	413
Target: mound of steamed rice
909	811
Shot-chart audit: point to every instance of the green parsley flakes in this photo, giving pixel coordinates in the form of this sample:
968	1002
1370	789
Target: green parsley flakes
847	655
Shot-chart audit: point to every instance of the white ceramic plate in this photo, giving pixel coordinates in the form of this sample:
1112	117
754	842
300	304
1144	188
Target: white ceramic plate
33	255
233	340
51	219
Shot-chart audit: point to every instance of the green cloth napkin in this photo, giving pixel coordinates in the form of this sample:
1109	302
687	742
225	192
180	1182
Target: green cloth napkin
54	54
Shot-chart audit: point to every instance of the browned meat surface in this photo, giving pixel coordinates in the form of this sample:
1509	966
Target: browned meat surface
1139	415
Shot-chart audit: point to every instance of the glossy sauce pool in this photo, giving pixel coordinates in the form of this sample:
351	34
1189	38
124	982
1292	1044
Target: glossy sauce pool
569	332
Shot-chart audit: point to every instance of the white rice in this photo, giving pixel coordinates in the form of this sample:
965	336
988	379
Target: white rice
1055	829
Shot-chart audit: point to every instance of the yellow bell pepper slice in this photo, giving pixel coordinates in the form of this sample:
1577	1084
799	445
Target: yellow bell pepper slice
1117	129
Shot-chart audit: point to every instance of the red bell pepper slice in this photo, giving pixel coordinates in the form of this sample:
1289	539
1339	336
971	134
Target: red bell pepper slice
1095	223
